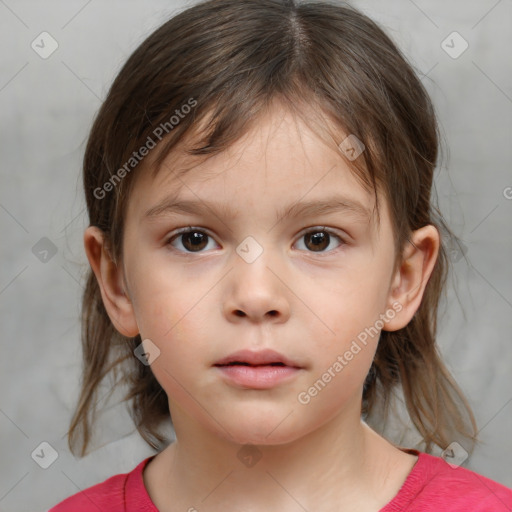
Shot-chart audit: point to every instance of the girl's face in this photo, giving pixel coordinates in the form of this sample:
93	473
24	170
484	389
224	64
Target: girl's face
283	255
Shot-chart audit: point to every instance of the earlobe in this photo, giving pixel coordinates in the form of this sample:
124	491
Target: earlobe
410	280
111	282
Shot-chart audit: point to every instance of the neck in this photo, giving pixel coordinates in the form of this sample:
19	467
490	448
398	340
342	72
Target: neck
344	458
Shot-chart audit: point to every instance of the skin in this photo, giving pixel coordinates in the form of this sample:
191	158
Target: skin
197	307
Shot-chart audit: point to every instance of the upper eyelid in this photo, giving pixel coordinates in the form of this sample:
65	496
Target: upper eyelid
180	231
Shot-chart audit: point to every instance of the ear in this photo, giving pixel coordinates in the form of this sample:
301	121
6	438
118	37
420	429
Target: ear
410	280
111	282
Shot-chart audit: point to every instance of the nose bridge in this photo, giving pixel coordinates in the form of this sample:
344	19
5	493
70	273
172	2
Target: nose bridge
255	289
261	257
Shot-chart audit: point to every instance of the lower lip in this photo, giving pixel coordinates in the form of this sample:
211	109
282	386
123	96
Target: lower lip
258	377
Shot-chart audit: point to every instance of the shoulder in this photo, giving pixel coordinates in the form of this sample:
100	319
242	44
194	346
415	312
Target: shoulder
109	495
433	484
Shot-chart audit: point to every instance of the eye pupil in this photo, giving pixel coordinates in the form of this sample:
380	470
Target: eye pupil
195	238
320	239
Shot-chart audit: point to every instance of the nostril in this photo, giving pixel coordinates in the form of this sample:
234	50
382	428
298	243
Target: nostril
273	312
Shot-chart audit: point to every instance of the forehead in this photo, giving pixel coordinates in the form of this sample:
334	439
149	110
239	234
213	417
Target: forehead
280	161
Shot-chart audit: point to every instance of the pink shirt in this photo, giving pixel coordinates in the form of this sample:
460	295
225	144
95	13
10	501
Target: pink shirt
432	485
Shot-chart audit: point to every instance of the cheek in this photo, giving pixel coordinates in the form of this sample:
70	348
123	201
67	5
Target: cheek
347	310
162	299
176	326
348	325
181	326
183	345
337	379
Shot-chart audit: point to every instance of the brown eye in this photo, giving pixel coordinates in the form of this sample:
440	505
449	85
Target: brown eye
318	239
192	240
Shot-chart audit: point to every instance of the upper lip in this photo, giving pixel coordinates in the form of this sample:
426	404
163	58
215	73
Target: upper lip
260	357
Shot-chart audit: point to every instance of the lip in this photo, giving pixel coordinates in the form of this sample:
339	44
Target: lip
261	357
257	370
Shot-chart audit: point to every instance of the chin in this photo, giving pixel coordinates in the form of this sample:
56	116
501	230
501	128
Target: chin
263	429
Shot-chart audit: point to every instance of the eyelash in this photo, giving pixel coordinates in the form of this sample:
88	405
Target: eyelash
316	229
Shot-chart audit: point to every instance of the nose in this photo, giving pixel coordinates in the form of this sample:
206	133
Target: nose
257	291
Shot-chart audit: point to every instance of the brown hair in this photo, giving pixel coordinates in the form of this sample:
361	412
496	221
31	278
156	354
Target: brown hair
230	59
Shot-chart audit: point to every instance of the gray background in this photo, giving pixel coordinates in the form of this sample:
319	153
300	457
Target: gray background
47	106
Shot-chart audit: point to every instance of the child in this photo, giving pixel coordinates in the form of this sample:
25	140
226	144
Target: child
266	270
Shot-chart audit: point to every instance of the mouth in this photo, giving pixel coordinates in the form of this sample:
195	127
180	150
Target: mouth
260	358
234	363
257	370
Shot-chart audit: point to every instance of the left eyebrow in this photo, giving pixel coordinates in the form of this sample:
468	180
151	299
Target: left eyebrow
336	204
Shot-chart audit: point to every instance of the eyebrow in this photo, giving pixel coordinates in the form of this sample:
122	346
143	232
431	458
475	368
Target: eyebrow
335	204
